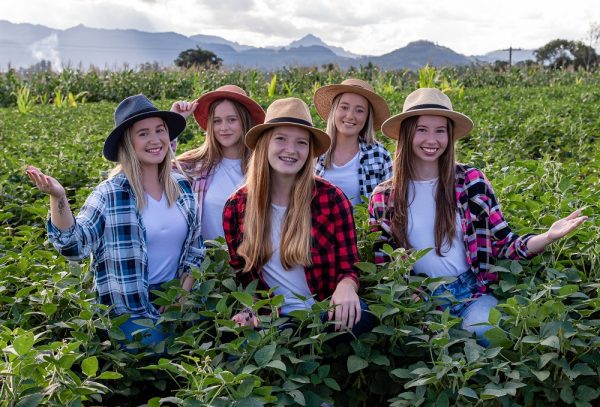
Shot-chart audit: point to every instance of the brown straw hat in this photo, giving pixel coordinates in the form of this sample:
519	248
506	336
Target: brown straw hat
231	92
290	112
325	95
428	101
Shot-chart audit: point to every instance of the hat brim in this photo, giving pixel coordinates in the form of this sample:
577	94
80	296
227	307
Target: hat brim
324	96
201	113
321	139
175	123
462	124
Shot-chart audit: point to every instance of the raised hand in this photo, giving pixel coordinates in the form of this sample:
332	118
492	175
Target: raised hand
184	108
564	226
45	183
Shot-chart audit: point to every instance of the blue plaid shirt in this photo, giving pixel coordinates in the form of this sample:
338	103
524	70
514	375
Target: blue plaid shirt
110	227
376	166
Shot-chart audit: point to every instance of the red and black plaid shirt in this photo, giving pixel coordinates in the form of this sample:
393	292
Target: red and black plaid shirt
333	250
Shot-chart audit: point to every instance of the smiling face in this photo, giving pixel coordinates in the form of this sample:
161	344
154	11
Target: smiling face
429	142
150	140
227	128
351	114
288	150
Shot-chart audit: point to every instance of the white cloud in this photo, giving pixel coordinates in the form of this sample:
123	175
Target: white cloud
374	27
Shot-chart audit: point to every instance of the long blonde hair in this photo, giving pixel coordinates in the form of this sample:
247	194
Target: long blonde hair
296	238
366	134
210	153
132	168
404	172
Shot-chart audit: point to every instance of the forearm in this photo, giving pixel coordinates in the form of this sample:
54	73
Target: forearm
538	243
60	212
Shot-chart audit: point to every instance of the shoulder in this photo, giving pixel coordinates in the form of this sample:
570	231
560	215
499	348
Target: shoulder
238	197
382	192
326	188
376	151
469	174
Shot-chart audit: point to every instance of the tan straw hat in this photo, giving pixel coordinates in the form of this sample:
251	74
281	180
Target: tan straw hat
230	92
325	95
428	101
289	112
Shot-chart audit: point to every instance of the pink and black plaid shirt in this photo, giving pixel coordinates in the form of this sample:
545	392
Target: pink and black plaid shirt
333	250
486	234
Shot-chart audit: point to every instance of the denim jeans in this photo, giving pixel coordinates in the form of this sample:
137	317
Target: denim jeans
148	336
473	311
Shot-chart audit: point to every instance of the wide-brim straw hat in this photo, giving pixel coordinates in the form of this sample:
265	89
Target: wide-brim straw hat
230	92
325	95
428	101
290	112
131	110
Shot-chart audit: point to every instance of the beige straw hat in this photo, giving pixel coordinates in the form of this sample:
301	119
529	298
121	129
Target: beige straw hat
325	95
231	92
428	101
290	112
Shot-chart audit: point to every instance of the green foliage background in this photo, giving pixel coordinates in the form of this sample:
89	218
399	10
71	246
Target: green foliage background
536	138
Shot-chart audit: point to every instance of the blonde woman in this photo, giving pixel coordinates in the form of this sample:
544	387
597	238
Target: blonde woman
218	166
141	226
355	161
434	202
289	229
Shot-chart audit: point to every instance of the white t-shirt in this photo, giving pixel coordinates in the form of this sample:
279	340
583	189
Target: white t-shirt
166	230
286	282
345	177
421	234
226	179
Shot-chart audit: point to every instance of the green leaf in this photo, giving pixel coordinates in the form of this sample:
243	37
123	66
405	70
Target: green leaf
552	342
89	366
494	316
366	267
277	364
468	392
332	384
586	393
110	376
568	289
32	400
356	363
566	395
49	309
298	397
265	354
245	388
541	374
442	400
23	343
244	298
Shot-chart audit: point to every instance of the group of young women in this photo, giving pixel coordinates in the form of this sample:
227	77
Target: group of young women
281	192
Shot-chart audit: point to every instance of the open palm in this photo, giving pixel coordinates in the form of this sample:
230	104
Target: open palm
564	226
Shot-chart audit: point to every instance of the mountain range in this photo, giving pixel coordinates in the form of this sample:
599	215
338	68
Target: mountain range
26	44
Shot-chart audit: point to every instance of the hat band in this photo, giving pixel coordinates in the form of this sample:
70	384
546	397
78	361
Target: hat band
290	120
141	111
427	106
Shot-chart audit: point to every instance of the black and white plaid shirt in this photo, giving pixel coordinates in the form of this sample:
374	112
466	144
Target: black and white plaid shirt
375	166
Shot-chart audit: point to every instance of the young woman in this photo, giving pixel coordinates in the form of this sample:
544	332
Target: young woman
355	162
141	226
218	166
289	229
433	202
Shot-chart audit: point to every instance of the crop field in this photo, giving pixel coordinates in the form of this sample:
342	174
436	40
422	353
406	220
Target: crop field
536	137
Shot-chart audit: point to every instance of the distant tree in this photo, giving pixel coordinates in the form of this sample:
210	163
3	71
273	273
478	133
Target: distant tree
564	53
198	58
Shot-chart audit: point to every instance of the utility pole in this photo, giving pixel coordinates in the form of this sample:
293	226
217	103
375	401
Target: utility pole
510	56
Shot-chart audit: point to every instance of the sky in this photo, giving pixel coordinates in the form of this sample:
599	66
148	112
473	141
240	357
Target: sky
367	27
